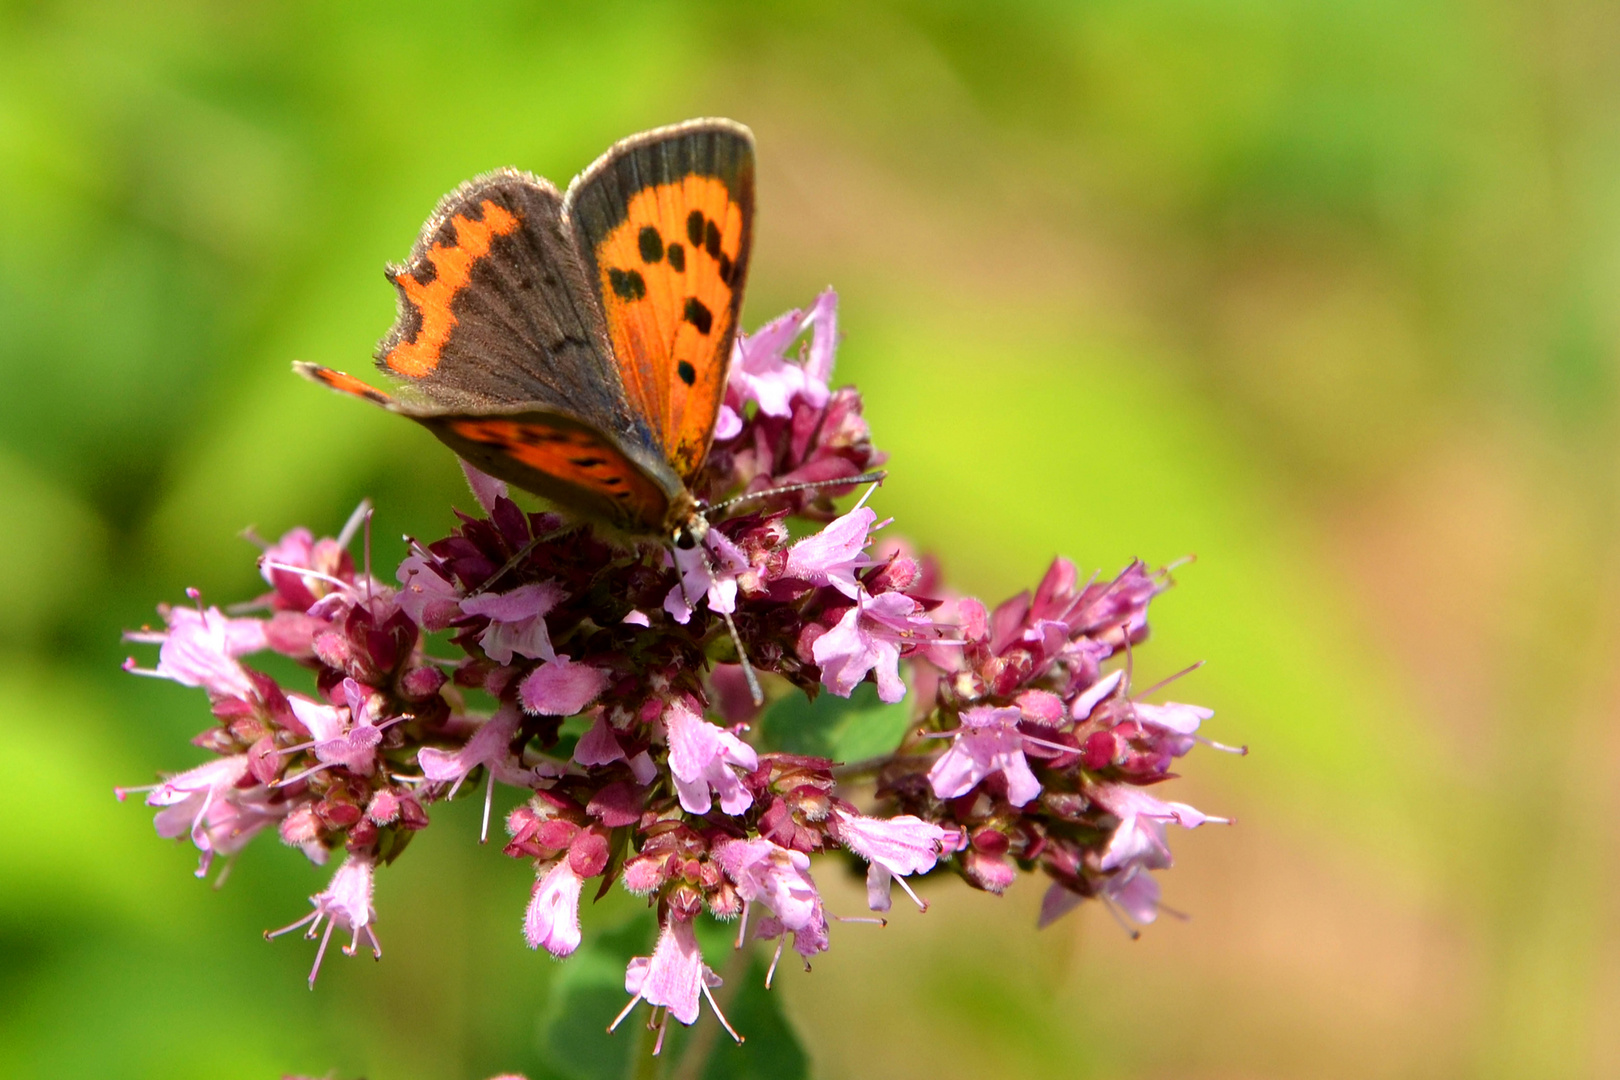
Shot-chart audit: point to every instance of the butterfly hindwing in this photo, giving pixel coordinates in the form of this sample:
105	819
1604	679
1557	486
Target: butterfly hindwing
494	310
664	224
555	456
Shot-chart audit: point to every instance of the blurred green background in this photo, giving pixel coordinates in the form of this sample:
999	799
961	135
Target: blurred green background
1321	291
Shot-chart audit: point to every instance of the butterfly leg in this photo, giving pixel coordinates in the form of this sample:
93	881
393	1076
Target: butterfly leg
742	658
516	560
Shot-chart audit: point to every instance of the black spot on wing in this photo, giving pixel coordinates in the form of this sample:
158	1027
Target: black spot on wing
699	315
686	371
677	258
652	245
694	228
711	239
726	268
627	284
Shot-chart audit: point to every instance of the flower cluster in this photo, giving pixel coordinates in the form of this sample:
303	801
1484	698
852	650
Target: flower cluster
1047	762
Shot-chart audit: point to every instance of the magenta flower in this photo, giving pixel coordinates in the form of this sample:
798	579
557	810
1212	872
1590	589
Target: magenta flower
346	903
986	743
868	638
703	756
537	617
672	978
552	919
893	848
517	621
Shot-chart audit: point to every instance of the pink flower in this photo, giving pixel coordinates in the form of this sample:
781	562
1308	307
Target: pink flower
200	648
1139	837
206	803
491	747
836	554
485	488
343	736
346	902
426	595
1057	902
892	847
1178	724
703	756
868	638
761	373
560	687
552	919
772	875
987	742
516	621
707	571
599	745
302	569
672	977
1094	694
1135	891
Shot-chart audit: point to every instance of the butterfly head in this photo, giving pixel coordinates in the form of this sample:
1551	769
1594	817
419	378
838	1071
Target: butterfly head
690	524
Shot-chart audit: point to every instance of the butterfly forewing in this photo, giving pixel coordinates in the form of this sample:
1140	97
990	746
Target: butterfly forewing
664	223
494	310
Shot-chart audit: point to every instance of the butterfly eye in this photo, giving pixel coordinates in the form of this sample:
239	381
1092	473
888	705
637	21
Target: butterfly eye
685	539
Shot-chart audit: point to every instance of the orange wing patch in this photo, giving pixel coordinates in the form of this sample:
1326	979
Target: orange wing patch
670	272
574	457
343	383
452	268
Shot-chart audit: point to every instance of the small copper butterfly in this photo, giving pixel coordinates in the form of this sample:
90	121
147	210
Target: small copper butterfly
577	344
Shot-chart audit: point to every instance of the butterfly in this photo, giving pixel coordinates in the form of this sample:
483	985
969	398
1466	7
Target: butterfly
577	344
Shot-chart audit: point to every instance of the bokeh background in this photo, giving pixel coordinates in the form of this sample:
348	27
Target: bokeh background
1320	291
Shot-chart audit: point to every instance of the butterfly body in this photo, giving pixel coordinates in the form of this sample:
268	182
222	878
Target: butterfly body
577	345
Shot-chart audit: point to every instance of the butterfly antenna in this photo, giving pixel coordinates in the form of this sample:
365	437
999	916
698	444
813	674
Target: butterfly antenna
516	560
809	485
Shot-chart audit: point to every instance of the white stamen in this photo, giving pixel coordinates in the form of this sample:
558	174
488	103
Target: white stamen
304	571
361	513
624	1012
922	905
321	952
770	972
718	1014
489	797
1162	683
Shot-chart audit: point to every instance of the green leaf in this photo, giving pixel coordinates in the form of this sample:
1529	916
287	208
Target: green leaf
586	997
772	1048
844	729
